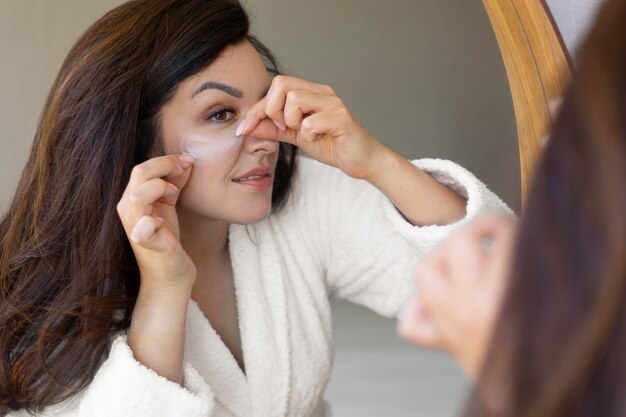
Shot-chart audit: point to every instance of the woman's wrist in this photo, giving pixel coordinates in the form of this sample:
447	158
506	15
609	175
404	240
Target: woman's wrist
164	305
157	331
166	288
420	198
383	162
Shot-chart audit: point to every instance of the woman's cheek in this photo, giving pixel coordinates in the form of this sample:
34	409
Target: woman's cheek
203	190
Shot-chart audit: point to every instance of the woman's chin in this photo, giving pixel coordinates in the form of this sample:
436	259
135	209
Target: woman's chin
252	215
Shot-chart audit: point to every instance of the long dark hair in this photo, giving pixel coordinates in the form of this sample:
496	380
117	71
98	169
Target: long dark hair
68	277
559	348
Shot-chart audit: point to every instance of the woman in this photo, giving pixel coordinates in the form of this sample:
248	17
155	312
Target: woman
211	296
539	324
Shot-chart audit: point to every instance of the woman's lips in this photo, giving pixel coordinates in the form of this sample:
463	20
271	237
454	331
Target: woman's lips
260	182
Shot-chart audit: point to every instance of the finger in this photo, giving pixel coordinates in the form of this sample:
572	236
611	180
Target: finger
180	180
145	230
293	112
273	103
316	126
282	86
252	118
265	129
307	134
151	233
153	190
141	201
133	205
301	102
274	109
287	83
159	167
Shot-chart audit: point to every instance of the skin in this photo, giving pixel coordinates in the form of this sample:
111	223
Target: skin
176	214
461	288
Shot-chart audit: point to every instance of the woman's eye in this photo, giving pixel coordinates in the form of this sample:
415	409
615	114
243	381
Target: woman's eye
221	116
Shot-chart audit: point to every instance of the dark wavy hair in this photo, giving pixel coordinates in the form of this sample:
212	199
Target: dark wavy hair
68	277
559	347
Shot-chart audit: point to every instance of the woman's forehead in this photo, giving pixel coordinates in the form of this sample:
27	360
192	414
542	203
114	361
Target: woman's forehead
238	66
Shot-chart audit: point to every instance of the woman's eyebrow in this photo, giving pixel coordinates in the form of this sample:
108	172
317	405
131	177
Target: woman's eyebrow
213	85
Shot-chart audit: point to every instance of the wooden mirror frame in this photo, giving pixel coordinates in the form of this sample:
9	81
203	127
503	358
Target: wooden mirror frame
538	68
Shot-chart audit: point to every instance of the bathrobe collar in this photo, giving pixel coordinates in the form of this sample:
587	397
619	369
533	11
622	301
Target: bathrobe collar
264	389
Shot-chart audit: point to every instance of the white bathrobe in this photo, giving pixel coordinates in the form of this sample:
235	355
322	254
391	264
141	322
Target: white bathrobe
336	236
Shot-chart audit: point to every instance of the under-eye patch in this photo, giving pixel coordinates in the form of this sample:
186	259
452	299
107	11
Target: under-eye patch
209	148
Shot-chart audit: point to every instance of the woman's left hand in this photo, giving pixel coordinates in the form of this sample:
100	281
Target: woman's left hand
312	117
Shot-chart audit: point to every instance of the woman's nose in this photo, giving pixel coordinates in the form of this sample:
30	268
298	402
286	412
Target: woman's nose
255	145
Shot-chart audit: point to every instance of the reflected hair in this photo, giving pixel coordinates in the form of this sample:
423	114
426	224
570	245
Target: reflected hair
68	277
558	348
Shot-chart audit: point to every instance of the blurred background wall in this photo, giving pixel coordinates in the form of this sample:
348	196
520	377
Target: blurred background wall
574	18
423	76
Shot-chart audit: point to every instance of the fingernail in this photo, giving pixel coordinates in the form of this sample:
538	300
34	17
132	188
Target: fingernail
186	158
280	125
241	127
142	231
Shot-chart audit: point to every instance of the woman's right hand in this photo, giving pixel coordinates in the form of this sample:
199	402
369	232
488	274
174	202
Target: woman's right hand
147	210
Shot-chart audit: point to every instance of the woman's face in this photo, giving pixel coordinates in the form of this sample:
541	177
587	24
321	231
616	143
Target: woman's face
232	177
462	284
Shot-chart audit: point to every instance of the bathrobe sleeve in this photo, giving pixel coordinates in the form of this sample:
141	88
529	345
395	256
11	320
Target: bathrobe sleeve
123	387
367	250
